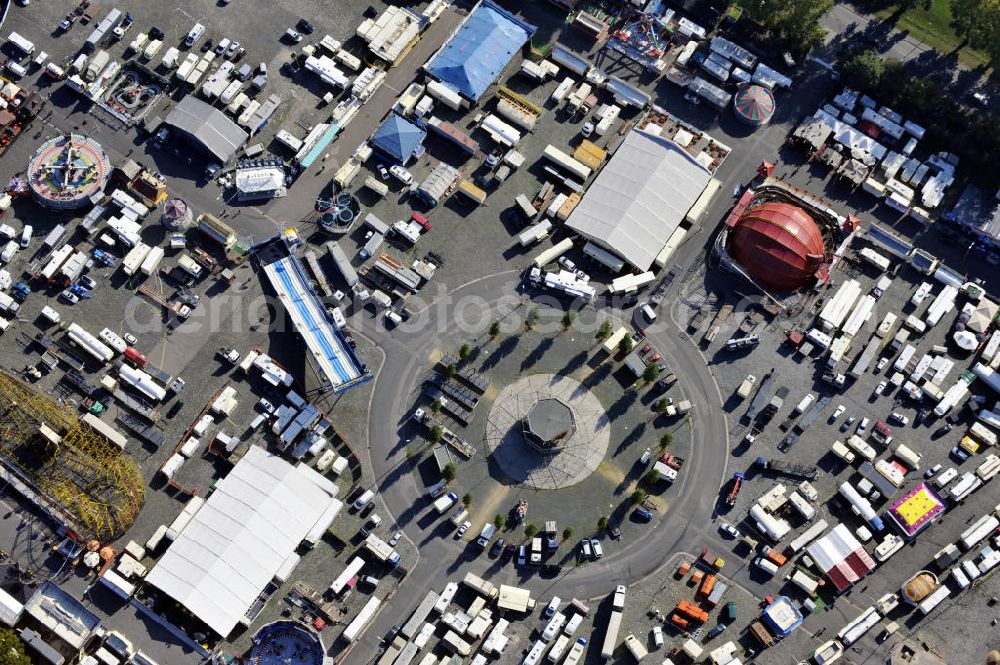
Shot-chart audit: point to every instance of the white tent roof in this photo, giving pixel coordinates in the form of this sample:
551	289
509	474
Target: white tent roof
238	541
260	179
640	197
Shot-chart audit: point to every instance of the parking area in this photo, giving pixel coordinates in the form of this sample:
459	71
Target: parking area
433	346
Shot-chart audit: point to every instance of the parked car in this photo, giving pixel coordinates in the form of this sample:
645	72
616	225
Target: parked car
728	529
497	547
395	538
838	412
898	418
88	282
156	33
941	431
130	339
595	545
462	529
231	51
959	453
846	425
882	362
932	471
207	46
643	515
567	264
880	388
863	426
383	172
69	296
305	26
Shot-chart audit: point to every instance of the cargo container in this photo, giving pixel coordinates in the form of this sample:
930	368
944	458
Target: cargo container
566	163
843	452
611	635
152	261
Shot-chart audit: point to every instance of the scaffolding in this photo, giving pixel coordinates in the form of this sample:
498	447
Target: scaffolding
80	477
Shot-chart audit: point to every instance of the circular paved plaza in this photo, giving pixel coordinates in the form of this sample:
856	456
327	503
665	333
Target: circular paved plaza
581	446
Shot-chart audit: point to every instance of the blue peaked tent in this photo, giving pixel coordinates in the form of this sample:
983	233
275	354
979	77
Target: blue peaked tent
479	50
398	139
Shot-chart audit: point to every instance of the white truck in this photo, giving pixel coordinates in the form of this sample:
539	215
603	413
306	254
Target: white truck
443	503
748	383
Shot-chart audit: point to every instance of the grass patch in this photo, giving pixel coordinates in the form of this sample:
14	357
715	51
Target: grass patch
932	26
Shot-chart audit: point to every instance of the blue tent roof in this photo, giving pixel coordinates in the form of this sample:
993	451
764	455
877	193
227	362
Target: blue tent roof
398	138
479	50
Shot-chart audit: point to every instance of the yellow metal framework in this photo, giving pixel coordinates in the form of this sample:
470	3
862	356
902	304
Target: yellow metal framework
92	480
520	102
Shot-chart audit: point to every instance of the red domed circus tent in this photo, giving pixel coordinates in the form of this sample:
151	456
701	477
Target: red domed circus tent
779	244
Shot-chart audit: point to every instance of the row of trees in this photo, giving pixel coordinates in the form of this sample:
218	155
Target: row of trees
950	126
977	22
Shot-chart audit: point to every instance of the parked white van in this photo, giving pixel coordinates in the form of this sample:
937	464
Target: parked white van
196	32
364	499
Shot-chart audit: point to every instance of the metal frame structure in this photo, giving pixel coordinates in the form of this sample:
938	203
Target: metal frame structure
82	478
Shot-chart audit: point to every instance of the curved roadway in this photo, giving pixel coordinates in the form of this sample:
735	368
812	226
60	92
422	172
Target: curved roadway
685	526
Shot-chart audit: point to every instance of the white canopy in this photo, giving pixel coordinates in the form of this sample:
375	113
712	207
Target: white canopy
238	541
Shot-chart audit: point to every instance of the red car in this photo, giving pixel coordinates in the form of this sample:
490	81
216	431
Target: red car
646	349
655	357
421	220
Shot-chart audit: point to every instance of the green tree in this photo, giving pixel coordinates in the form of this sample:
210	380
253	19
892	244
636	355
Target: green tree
794	22
604	332
494	331
435	434
660	406
567	320
450	472
532	320
530	531
467	499
436	406
499	520
602	522
12	649
863	70
567	533
666	440
650	373
638	496
625	346
464	352
652	477
450	371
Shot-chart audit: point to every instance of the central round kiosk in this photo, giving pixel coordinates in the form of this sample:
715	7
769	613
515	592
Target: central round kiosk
547	431
548	425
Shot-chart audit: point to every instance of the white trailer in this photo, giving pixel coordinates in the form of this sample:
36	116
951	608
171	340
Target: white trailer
170	58
943	303
566	163
553	253
535	233
133	260
186	67
58	258
856	629
561	90
89	343
837	308
354	567
152	261
355	629
611	635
